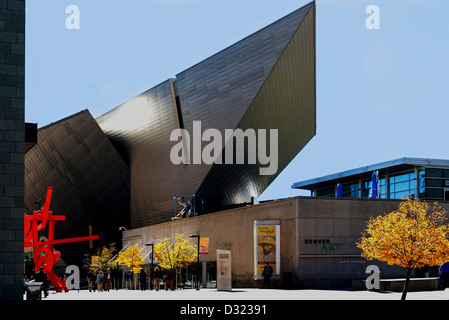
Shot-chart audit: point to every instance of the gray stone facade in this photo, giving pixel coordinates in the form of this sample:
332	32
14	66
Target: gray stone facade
12	144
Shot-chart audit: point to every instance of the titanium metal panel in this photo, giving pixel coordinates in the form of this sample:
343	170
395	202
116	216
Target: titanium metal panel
218	92
141	128
90	181
286	102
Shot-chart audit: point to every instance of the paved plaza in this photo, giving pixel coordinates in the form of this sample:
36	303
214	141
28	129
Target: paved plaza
244	294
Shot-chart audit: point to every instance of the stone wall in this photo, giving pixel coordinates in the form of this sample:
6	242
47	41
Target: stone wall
12	144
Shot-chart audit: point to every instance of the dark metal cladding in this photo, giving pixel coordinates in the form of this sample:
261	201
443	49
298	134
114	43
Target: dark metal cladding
90	182
285	102
266	80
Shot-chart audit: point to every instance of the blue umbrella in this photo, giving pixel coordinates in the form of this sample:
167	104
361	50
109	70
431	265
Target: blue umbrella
339	190
375	186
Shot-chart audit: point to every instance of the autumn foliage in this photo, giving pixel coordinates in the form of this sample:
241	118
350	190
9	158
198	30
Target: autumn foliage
132	258
413	236
175	252
104	258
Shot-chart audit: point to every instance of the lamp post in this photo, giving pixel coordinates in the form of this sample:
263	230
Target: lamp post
123	270
151	271
198	260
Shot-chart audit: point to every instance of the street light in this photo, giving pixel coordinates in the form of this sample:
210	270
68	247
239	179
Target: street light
123	229
151	272
198	260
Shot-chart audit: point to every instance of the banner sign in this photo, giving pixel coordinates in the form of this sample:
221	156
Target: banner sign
267	240
224	274
204	245
95	261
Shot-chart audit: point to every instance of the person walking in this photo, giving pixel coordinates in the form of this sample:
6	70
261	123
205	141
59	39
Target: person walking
93	280
107	280
100	279
267	272
169	280
143	279
41	276
444	274
89	279
157	278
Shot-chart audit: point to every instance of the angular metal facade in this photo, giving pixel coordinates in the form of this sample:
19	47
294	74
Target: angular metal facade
265	81
285	102
89	178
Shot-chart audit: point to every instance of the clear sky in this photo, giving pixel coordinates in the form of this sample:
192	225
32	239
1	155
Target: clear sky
382	93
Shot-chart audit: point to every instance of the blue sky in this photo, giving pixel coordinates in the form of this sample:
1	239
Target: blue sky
382	94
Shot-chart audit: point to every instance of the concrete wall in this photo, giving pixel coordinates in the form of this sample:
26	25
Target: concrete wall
231	230
328	231
318	238
12	144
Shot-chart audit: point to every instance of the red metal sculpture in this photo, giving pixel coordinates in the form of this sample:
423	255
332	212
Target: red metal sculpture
44	253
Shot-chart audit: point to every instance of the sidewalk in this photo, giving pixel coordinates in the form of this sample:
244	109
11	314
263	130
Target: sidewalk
244	294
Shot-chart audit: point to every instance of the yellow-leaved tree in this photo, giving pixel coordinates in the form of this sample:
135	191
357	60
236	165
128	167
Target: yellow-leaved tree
132	258
414	236
175	252
104	258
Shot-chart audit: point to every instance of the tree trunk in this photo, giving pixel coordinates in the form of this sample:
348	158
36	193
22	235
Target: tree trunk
135	280
407	280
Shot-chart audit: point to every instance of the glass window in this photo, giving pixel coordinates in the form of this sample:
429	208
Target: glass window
367	185
402	185
351	190
366	188
432	172
382	188
326	192
438	183
434	193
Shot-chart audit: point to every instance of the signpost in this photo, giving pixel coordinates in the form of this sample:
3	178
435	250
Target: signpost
224	272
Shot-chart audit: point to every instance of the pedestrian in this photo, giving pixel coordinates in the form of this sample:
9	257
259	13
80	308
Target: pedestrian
41	276
93	280
444	274
143	279
169	280
107	280
157	278
25	283
267	272
89	280
116	277
100	278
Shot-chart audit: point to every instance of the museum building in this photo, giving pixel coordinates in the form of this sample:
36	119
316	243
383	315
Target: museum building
116	170
315	237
